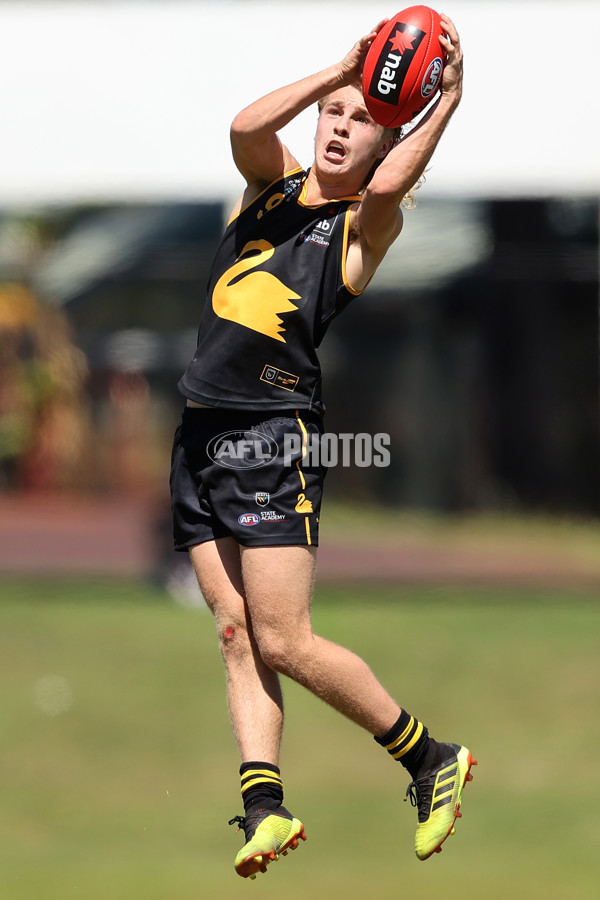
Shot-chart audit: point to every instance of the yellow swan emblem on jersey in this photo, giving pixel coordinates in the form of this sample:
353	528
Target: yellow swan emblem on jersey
254	300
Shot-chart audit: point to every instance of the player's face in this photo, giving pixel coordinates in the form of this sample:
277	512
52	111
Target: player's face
348	140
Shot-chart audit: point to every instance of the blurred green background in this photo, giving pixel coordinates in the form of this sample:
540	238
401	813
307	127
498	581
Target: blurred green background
120	773
467	573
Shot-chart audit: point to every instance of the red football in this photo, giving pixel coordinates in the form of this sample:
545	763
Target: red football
403	68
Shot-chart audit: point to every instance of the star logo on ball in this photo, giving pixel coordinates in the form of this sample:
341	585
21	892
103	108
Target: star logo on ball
402	41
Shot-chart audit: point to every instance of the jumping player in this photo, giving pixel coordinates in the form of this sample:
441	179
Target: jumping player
299	246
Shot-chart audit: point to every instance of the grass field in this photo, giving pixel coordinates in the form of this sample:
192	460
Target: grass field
119	773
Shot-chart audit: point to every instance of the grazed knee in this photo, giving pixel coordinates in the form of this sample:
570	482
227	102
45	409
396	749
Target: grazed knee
233	639
228	634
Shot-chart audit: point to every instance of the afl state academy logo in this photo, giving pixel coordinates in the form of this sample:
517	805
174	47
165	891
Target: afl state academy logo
242	450
432	77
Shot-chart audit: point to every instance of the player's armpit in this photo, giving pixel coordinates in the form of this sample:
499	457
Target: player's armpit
364	257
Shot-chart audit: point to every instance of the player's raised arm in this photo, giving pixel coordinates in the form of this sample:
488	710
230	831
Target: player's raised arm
257	150
404	165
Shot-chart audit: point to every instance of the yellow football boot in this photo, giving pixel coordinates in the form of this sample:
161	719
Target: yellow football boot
270	833
437	795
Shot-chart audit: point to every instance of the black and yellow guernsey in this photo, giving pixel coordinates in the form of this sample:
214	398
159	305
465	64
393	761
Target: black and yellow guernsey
278	279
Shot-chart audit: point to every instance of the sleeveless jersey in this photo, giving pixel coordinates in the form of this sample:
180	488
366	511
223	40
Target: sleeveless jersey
277	281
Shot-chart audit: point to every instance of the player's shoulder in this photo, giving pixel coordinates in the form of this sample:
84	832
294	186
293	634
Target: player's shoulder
268	193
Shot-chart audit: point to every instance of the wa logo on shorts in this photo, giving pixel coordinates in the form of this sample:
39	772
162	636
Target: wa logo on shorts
242	449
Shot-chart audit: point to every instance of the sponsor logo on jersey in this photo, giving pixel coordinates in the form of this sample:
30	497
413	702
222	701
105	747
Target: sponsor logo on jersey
249	519
262	497
326	226
320	234
322	231
274	199
393	63
282	379
242	449
294	183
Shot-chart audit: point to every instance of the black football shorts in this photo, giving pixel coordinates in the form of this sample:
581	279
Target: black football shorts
246	475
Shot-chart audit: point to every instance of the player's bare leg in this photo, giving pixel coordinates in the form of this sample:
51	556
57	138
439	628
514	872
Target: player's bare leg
255	708
253	689
278	582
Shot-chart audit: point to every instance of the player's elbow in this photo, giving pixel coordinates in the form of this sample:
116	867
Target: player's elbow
386	190
242	124
243	130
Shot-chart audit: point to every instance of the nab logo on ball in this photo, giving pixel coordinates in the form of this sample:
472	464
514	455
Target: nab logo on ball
393	63
404	66
242	450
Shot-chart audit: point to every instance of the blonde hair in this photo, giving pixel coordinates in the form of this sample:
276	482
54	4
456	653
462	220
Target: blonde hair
409	201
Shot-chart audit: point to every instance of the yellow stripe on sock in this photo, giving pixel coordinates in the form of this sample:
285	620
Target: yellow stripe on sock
261	780
411	743
251	773
402	737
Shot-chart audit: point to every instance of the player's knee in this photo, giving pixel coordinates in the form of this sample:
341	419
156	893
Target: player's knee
272	656
233	638
280	652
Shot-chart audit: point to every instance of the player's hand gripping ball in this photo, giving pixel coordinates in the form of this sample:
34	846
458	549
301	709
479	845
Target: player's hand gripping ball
403	68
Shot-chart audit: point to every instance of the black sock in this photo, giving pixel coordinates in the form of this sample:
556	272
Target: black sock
261	786
407	741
